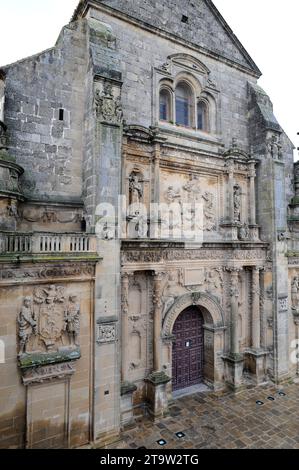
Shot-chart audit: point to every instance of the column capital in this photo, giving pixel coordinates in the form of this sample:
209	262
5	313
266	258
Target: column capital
125	276
159	276
258	269
234	270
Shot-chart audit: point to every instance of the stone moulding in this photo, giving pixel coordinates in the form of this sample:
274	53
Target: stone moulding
30	360
127	388
193	298
158	378
37	375
155	256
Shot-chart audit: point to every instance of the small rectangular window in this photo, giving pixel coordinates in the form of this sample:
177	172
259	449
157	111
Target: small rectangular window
185	19
61	114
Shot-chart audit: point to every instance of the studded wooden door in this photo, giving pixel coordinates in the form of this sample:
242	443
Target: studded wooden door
187	352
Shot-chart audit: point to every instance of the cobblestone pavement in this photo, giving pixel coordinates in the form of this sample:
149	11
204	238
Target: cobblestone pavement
224	422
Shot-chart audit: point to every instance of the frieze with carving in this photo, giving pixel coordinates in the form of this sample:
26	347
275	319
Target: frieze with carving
177	255
47	272
47	373
48	327
51	216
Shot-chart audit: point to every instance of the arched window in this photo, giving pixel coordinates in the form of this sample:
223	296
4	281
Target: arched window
202	116
184	104
165	105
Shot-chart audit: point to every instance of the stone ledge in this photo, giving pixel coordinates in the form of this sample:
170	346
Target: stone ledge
127	388
158	378
233	358
39	359
112	319
18	258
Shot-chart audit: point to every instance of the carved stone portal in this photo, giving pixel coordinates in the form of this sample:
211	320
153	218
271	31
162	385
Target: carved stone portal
48	327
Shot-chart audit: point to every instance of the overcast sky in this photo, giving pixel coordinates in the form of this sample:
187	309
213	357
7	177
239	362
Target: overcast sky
268	29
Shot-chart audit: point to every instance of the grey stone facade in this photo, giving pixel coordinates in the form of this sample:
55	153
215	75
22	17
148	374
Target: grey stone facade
80	126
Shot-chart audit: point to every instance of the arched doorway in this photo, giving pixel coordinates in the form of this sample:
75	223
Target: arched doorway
188	349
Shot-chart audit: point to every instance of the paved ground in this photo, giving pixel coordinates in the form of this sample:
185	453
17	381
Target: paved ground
224	422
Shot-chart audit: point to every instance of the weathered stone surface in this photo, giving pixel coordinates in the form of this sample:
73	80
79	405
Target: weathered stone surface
92	318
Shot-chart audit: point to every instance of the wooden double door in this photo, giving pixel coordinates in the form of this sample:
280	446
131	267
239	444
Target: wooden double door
188	349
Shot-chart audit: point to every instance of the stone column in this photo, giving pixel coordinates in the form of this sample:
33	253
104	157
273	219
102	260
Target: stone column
230	166
234	293
234	361
256	316
252	176
127	388
296	321
158	306
158	379
124	325
155	198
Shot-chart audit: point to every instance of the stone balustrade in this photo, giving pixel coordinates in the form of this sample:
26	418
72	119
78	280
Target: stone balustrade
46	243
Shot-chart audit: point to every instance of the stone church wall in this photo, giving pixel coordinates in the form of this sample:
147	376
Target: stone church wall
52	406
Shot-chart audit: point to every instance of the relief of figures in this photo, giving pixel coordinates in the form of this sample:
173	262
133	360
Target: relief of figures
49	323
27	325
193	188
209	211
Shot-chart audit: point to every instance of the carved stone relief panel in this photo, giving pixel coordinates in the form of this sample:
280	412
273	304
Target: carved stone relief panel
106	333
193	189
137	190
138	324
108	103
48	327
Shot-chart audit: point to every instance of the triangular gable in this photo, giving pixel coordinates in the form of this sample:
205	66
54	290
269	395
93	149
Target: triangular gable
204	26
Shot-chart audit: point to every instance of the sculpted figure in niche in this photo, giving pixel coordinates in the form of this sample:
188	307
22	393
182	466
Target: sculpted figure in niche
27	324
12	209
142	226
209	211
237	202
136	189
244	233
119	110
72	320
170	293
